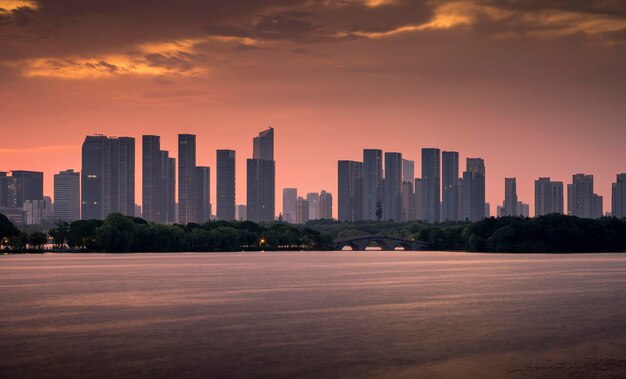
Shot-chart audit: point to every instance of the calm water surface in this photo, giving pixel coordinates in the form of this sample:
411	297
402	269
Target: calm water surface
313	315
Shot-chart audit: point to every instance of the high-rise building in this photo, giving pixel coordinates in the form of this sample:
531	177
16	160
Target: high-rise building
152	185
168	188
202	193
474	190
618	202
313	198
67	196
408	201
431	184
290	196
8	191
225	197
408	171
350	191
326	206
107	177
548	197
241	213
510	197
581	199
372	183
450	185
302	211
261	175
392	195
29	186
419	203
487	210
187	205
34	211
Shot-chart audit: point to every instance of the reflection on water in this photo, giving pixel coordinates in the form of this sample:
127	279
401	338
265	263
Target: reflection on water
315	315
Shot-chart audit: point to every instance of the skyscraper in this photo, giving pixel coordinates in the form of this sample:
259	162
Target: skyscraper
510	197
313	198
581	200
302	211
187	204
450	186
290	196
67	196
152	185
261	175
350	191
548	197
108	176
225	197
168	187
8	191
618	202
474	190
408	171
326	206
392	207
29	186
372	183
431	184
201	193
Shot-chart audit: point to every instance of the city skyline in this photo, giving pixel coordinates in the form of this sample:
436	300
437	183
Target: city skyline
537	93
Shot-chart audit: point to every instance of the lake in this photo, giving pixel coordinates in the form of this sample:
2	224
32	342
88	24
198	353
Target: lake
313	315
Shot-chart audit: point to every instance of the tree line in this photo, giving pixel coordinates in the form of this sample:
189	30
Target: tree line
117	233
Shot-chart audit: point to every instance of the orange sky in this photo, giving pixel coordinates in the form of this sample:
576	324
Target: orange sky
536	88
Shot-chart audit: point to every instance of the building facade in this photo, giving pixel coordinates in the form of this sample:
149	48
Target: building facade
431	184
548	197
326	206
392	195
618	200
226	180
290	196
67	196
450	186
372	183
350	191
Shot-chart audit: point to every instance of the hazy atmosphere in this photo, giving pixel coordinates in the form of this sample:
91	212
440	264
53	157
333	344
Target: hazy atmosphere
536	88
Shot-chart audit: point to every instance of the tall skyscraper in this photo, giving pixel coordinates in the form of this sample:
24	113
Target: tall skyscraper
152	185
168	187
392	206
202	193
450	186
548	197
408	171
290	196
187	205
581	199
372	183
431	184
350	191
261	175
302	211
618	202
225	185
8	191
510	197
326	206
67	196
108	176
313	198
474	190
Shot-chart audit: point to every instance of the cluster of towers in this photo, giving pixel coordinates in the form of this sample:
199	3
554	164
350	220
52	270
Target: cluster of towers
382	186
367	192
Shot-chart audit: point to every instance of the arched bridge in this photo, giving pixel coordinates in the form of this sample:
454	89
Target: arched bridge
385	243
